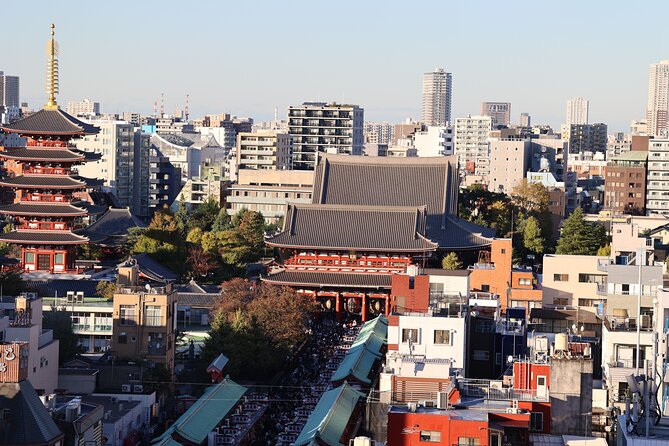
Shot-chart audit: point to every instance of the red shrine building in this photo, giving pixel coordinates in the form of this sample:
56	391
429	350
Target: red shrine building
43	177
370	218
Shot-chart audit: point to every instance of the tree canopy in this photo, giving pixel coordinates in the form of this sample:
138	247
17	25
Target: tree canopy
451	262
581	237
60	322
256	327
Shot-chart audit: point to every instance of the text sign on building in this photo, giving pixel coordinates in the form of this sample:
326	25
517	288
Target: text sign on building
13	362
498	108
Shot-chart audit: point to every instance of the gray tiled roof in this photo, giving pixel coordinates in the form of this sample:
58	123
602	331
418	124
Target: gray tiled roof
369	228
50	122
154	270
60	287
40	154
29	420
41	209
431	182
199	300
112	226
31	237
324	279
43	181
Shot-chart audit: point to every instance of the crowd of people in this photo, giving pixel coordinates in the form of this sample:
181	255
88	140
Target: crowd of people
293	401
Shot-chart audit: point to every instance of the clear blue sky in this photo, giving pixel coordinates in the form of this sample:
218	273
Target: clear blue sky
246	57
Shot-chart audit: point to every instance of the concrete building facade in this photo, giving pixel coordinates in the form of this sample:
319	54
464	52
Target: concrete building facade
625	183
500	112
85	107
585	137
434	141
657	110
471	144
264	151
657	187
9	90
509	161
319	127
577	111
437	93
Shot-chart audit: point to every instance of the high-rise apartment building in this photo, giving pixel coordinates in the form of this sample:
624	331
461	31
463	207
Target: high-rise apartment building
318	127
437	90
525	120
585	137
471	143
85	107
658	99
657	184
577	111
263	150
9	90
116	143
500	112
434	141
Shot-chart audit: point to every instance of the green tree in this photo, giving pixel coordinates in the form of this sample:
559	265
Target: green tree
533	241
451	262
106	289
581	237
530	197
11	283
204	215
500	217
222	222
604	251
61	323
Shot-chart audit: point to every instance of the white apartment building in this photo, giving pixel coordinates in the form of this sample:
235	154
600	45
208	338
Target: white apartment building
378	132
658	99
471	143
500	112
25	324
577	111
116	143
264	151
657	182
639	127
318	127
437	93
434	141
84	107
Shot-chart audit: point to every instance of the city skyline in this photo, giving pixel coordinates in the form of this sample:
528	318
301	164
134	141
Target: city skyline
207	52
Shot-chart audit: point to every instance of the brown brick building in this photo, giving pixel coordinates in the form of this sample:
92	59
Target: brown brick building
625	183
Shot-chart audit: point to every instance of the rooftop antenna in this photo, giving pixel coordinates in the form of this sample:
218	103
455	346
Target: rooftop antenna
276	114
52	71
162	104
186	110
155	108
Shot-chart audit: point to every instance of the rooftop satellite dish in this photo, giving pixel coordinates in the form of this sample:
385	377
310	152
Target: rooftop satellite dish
148	287
509	359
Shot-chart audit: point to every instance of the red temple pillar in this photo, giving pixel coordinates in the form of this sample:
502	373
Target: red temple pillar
338	306
387	308
364	307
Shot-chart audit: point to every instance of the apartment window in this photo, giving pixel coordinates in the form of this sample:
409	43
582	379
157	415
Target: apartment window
468	441
485	288
561	277
412	282
123	338
591	278
430	436
525	281
127	315
153	316
409	334
481	355
442	336
536	421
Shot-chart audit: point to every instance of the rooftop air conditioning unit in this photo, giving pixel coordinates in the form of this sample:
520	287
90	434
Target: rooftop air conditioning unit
70	296
442	400
126	388
138	388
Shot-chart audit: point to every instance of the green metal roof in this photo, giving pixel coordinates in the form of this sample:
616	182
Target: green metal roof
371	342
205	414
330	417
378	325
632	155
357	363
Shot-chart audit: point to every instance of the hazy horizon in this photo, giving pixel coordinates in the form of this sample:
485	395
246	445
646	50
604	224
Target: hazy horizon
246	58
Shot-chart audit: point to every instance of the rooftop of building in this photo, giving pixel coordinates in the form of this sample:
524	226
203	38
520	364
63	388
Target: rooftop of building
112	227
114	408
28	419
445	272
632	155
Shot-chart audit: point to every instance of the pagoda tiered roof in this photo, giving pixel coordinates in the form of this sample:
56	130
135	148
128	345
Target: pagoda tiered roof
42	182
42	237
360	228
43	209
46	154
50	122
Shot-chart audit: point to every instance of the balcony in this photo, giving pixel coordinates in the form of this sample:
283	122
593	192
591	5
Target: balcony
493	390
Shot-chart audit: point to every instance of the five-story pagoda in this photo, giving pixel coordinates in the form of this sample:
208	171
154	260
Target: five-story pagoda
44	179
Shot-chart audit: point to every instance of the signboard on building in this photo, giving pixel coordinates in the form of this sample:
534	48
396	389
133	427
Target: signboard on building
13	362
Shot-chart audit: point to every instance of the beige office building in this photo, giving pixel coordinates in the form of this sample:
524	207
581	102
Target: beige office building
264	151
268	191
143	325
509	160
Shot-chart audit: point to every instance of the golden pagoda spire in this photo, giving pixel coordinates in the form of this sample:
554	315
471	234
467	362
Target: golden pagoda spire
52	71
